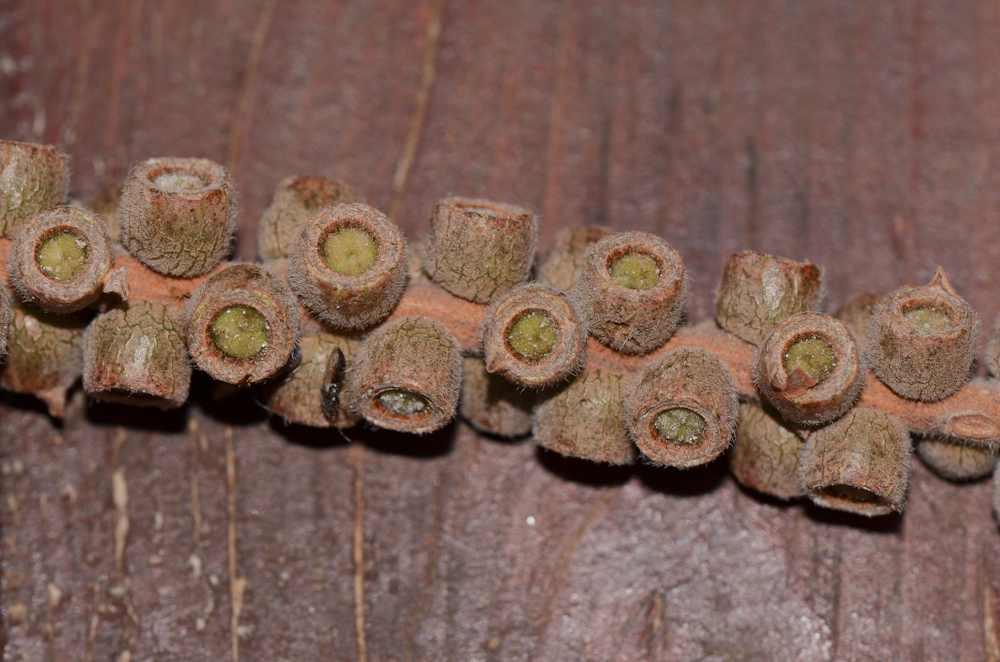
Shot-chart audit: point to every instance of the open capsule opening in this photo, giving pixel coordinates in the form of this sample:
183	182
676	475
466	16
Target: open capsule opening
240	332
180	179
533	335
812	355
634	270
680	425
401	402
349	251
63	255
928	315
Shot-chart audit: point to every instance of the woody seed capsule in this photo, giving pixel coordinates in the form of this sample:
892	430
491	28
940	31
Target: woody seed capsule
682	409
407	376
922	340
856	313
957	461
46	355
177	216
809	368
477	249
242	324
585	418
533	336
492	404
860	463
348	265
135	355
33	178
60	258
631	291
765	454
563	261
298	398
295	201
759	290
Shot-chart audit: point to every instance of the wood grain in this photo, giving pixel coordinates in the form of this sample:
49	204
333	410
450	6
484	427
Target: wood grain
862	136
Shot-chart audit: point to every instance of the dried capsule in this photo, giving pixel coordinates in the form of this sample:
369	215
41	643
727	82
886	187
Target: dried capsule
477	249
295	201
135	355
242	324
857	313
33	178
348	266
533	336
586	419
45	357
177	216
993	350
631	291
765	453
105	204
809	368
299	396
563	260
492	404
60	258
759	290
407	376
681	410
922	340
860	463
955	460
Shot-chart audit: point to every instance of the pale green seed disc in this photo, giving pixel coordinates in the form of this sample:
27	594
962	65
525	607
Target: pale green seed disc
240	332
350	251
813	356
533	336
635	271
63	256
680	425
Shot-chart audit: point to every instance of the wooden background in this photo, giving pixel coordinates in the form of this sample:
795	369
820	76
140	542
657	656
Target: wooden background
864	136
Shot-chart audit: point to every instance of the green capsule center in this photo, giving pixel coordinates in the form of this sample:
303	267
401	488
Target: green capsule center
928	317
680	425
179	181
63	256
635	271
349	251
240	332
813	356
405	403
533	336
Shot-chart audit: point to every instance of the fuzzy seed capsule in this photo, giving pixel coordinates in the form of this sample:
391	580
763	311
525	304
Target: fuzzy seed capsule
563	261
477	249
492	404
295	201
856	313
765	453
922	340
407	376
298	397
135	355
809	368
585	418
46	355
682	409
957	461
860	463
60	258
242	324
631	291
349	266
33	178
759	290
533	336
178	216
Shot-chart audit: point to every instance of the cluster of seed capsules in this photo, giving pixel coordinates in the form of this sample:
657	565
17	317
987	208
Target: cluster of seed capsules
341	321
